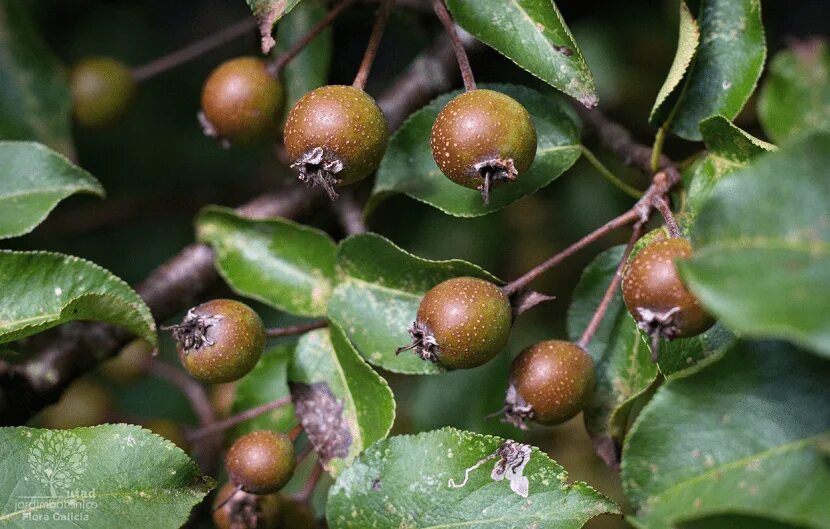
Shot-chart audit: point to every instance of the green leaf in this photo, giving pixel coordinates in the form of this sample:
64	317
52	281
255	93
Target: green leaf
795	97
43	289
34	94
742	435
343	404
310	68
267	382
100	477
622	362
268	12
287	265
404	482
33	179
688	40
409	168
762	247
726	140
378	296
532	34
726	68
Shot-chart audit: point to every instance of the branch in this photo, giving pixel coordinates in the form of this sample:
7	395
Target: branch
76	348
230	422
293	330
194	50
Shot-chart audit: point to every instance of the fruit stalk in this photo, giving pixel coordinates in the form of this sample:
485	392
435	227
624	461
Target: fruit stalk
457	45
293	330
381	18
239	418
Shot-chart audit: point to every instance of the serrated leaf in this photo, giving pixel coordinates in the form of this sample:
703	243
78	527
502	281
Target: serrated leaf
378	296
622	362
43	289
762	247
742	435
33	179
286	265
403	481
267	382
34	93
726	68
98	477
532	34
795	96
726	140
268	12
364	406
409	168
310	68
688	40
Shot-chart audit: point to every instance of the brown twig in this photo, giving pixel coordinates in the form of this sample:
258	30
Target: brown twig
194	50
295	432
310	484
457	45
381	18
276	67
661	204
293	330
602	308
230	422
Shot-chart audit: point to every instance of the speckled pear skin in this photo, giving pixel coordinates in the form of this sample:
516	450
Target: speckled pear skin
262	462
346	123
651	282
241	101
238	339
555	378
478	126
470	319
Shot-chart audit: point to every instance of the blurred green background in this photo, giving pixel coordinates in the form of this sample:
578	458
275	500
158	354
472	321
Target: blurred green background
158	170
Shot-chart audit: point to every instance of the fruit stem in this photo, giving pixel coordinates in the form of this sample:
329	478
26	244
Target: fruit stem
293	330
193	50
230	422
662	205
608	175
381	18
295	432
276	67
310	483
457	45
229	498
626	218
602	308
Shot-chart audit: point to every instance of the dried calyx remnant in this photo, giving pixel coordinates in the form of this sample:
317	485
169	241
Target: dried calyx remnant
658	325
512	457
423	342
493	172
516	411
192	333
319	167
321	415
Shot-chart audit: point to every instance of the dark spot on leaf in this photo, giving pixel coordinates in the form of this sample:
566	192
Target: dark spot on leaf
376	484
321	415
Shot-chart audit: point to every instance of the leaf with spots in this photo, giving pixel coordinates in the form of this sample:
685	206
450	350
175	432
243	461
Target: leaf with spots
727	64
754	222
34	93
795	96
406	481
742	435
286	265
532	34
269	12
622	363
409	168
267	382
43	289
33	179
377	298
343	404
90	477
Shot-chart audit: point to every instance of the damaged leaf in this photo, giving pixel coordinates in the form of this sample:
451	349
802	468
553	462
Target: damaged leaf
342	403
418	481
268	12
